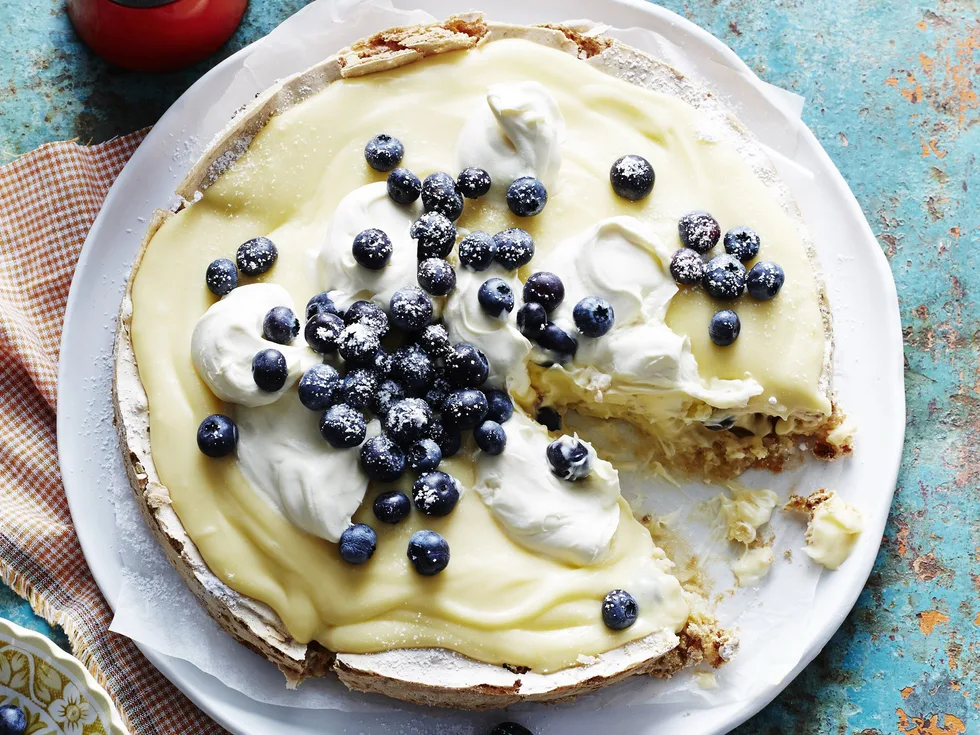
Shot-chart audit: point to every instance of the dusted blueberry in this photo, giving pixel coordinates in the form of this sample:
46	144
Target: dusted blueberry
544	288
619	610
436	493
724	327
269	370
632	177
449	438
436	395
467	366
687	267
594	316
322	302
382	459
569	458
510	728
423	456
322	332
410	309
383	152
404	187
256	256
436	276
764	280
698	231
440	194
392	506
428	552
531	320
476	250
412	368
548	417
357	543
358	344
359	386
515	248
743	243
408	421
318	387
343	426
217	436
369	314
221	277
280	325
464	409
389	393
383	362
13	720
499	406
559	341
526	197
724	277
490	437
473	182
719	423
435	341
496	297
435	234
372	249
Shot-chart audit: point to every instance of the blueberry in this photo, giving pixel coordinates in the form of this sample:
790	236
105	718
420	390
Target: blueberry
743	243
256	256
449	438
343	426
619	610
435	234
388	394
358	344
413	369
594	316
269	370
423	456
436	276
280	325
464	409
556	339
476	250
531	320
467	366
319	386
357	543
724	277
440	194
322	302
372	249
435	341
408	421
496	297
510	728
410	309
722	423
382	363
217	436
221	277
548	417
632	177
436	493
428	552
698	231
383	152
404	187
13	720
436	395
499	406
544	288
382	459
515	248
322	332
764	280
724	327
473	182
490	437
392	506
359	386
526	197
369	314
569	458
687	267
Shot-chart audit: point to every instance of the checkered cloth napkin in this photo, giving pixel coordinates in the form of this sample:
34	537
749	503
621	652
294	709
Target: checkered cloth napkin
48	200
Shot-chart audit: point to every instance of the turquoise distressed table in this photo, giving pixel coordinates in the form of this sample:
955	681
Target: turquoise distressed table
891	92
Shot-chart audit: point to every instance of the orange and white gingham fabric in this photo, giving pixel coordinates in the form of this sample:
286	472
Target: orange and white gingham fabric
48	200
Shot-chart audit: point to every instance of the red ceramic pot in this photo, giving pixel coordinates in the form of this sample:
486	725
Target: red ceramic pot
155	35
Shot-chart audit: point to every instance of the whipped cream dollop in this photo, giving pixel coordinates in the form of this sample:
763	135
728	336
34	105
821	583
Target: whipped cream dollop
570	521
518	133
833	530
623	261
227	336
281	453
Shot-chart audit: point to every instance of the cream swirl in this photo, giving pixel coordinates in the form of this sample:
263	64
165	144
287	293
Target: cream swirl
519	133
227	336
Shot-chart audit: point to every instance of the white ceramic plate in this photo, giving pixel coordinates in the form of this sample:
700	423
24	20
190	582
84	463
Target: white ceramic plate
869	371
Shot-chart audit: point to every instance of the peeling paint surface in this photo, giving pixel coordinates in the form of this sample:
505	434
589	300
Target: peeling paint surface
891	89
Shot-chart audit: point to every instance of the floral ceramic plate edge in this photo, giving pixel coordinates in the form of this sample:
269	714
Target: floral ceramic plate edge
58	694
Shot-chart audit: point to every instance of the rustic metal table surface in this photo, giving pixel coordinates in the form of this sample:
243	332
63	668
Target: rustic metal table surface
891	92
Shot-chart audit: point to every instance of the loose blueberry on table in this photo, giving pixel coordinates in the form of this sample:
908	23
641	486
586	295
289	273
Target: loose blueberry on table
280	325
269	370
383	152
698	231
256	256
428	552
724	327
527	197
13	720
632	177
510	728
221	277
619	610
217	436
357	543
392	506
